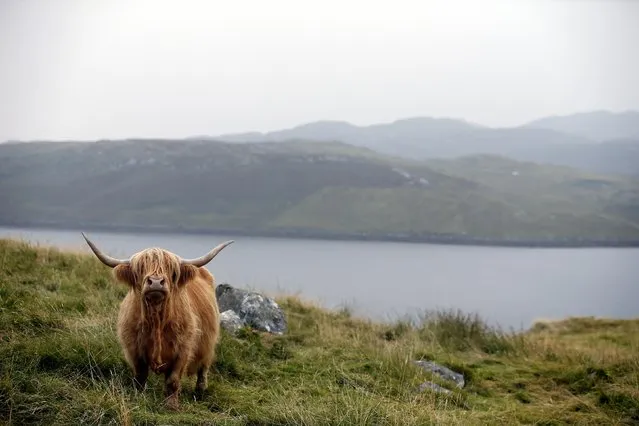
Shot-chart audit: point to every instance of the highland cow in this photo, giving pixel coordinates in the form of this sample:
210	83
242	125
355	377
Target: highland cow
169	319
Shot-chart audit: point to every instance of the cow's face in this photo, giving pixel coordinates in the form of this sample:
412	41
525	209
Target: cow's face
154	272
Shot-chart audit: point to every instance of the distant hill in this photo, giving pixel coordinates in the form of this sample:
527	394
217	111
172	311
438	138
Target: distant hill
425	135
423	138
328	189
596	125
409	128
517	181
620	156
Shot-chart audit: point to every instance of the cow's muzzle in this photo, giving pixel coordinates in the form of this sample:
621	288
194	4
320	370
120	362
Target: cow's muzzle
155	289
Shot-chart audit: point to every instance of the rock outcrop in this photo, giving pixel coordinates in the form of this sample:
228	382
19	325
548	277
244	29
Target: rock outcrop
231	322
240	308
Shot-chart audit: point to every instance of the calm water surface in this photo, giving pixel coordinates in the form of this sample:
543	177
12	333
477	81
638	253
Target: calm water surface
509	286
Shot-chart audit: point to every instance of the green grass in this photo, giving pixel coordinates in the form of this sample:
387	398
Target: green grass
60	363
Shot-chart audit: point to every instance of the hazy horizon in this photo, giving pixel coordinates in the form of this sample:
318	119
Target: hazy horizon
75	70
361	125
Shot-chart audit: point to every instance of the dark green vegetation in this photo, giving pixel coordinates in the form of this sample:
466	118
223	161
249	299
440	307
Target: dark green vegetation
310	189
60	363
601	142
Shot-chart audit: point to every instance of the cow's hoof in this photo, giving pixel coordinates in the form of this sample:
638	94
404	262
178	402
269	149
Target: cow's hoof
172	403
200	393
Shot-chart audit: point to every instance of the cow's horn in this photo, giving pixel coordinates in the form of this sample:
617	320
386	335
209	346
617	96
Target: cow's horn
203	260
104	258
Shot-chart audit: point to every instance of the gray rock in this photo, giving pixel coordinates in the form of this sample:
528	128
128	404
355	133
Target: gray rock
255	310
231	322
443	372
434	387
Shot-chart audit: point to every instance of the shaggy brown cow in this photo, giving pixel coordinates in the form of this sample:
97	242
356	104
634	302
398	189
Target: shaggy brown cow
169	320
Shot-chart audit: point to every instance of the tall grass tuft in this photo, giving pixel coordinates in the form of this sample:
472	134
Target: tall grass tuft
459	331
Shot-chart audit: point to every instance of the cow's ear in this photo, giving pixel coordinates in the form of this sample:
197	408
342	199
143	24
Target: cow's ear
187	273
124	274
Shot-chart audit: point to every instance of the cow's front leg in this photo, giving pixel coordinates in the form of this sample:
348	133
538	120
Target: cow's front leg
141	373
172	378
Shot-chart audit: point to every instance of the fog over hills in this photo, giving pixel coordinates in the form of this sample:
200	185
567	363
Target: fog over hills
603	142
595	125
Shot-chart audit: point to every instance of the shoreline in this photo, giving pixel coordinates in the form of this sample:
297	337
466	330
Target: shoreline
456	240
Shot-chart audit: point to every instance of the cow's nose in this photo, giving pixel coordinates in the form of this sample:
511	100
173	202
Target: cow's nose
155	283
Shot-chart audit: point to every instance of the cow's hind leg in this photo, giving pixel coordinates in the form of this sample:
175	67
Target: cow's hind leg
201	383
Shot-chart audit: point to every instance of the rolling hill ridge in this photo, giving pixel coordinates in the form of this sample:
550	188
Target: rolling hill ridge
600	141
321	189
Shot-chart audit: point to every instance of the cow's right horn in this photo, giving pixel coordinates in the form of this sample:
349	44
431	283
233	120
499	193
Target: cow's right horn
203	260
105	258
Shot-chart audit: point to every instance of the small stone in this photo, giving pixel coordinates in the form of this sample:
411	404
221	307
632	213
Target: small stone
434	387
443	372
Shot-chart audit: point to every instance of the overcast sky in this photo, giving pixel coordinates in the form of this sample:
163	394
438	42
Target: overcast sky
79	69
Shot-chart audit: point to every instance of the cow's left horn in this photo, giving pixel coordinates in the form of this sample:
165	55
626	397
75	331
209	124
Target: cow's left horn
203	260
104	258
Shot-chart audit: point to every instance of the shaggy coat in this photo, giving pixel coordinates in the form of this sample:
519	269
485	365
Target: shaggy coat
169	320
175	336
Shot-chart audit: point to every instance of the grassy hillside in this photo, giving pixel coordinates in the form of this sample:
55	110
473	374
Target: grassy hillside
308	188
607	196
60	363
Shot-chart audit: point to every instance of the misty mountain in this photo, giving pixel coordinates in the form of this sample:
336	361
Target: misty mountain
306	188
596	125
378	134
423	138
420	137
